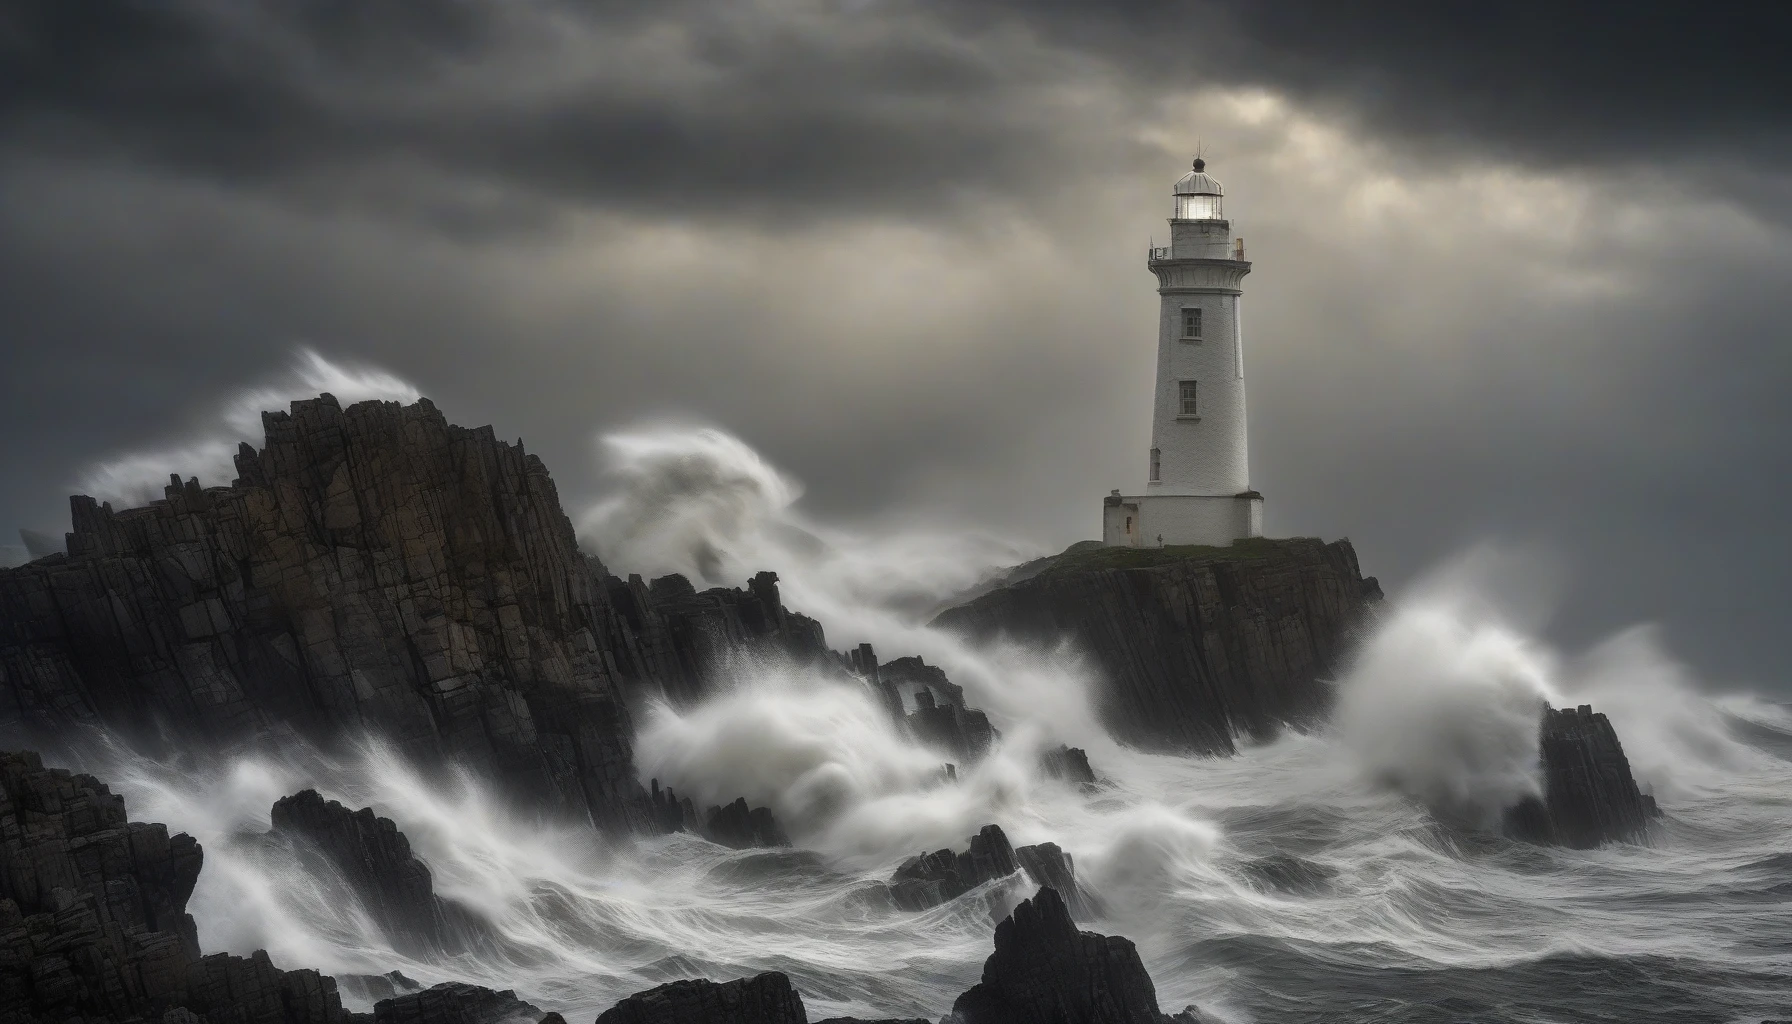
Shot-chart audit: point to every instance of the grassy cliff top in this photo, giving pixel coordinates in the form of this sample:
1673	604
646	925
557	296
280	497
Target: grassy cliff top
1088	556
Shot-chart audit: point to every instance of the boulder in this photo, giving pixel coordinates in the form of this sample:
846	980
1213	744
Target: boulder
371	988
1045	971
1589	795
765	999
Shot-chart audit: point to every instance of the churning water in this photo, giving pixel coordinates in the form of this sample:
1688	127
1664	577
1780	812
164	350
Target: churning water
1304	880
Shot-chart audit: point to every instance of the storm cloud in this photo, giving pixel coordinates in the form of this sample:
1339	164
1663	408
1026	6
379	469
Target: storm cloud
1519	270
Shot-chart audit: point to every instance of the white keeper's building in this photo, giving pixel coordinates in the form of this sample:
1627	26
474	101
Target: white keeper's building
1198	482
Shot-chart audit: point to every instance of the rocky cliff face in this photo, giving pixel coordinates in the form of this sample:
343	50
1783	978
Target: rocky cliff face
93	921
373	568
1589	794
1193	649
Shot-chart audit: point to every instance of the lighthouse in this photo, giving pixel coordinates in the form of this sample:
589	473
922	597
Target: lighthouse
1198	482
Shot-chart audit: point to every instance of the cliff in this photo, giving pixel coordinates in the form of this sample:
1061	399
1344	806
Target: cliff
1192	645
372	569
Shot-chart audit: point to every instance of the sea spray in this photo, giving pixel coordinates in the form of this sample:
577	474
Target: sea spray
139	477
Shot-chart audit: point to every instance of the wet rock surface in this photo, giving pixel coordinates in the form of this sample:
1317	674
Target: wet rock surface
734	825
1045	971
765	999
1194	649
371	855
93	921
456	1003
1589	796
1068	764
930	879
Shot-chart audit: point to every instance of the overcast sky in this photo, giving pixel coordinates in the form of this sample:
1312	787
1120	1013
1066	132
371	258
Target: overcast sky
1520	272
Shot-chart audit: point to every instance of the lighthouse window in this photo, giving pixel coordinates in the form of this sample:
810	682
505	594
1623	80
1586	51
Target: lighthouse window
1188	398
1191	322
1157	465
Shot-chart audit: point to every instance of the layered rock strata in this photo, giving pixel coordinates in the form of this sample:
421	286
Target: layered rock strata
1194	649
374	858
1589	796
93	921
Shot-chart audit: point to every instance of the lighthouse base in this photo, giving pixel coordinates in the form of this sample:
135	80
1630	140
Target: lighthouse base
1163	520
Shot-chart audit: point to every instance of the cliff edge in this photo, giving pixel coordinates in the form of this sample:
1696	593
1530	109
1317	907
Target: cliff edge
1194	645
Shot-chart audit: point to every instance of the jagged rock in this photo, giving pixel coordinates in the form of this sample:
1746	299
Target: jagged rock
1044	971
912	675
456	1003
1195	648
1069	764
686	636
736	825
962	732
375	859
93	921
930	879
1589	794
372	568
742	828
371	988
766	999
1051	868
671	812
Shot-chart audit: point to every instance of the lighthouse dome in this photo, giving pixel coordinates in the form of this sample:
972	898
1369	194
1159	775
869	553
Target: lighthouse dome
1198	195
1198	182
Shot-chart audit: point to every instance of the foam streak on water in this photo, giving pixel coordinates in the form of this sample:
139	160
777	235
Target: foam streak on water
1303	880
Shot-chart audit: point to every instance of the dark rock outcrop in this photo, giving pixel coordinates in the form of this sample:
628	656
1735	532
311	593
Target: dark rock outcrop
682	636
743	827
1044	971
377	569
1193	649
375	859
1589	794
736	825
962	732
456	1003
930	879
93	921
766	999
1069	764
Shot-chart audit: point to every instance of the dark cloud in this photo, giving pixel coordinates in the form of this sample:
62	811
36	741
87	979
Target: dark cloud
896	246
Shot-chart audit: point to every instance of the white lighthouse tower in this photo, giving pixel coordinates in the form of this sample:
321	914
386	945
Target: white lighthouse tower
1198	483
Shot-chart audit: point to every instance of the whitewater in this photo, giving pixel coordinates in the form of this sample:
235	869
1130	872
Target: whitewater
1348	874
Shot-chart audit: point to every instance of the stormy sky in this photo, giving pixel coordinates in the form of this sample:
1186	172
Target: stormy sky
1521	269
